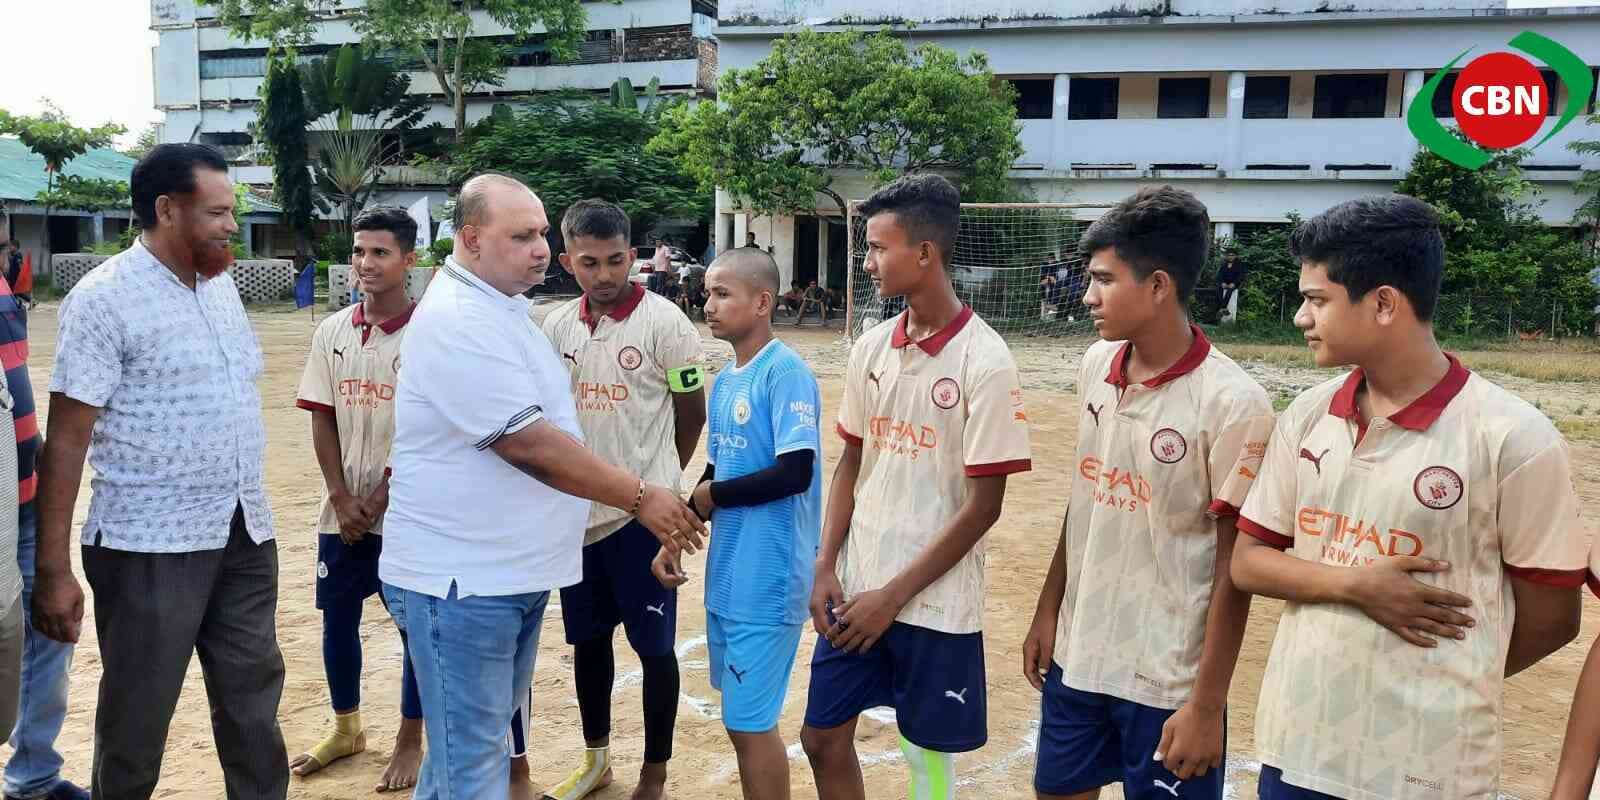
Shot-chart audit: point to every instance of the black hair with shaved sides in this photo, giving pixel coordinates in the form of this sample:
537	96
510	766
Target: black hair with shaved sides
393	219
1156	228
1386	240
926	205
595	219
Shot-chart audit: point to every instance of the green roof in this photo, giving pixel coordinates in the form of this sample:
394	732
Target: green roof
22	175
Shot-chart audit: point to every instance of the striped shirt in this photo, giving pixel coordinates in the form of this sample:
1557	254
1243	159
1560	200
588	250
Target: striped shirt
14	359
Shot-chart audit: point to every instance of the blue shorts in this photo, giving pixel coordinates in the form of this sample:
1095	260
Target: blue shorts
750	665
933	680
1272	787
347	572
1088	740
618	589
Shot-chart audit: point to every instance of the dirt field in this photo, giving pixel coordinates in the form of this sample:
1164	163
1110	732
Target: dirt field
703	767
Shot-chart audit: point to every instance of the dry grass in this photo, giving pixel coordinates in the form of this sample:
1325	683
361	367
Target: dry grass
1579	428
1552	362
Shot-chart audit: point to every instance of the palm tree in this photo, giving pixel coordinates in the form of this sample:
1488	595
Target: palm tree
347	166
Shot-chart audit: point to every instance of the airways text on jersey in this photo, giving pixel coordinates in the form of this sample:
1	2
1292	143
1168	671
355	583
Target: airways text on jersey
1354	542
1123	489
900	437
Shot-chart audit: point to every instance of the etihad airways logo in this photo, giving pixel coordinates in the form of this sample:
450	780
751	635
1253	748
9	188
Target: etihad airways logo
1355	542
901	437
365	394
1115	487
600	396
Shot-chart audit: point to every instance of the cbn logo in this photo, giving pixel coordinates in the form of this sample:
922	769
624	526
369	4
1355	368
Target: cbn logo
1500	100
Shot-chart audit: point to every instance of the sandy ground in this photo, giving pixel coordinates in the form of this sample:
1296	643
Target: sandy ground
704	767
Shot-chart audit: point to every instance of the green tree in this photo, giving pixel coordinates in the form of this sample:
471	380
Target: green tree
282	118
148	139
53	137
86	194
570	146
1501	260
1588	187
352	83
827	101
440	34
347	169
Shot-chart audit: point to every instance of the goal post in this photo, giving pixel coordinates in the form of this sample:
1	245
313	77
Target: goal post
1016	264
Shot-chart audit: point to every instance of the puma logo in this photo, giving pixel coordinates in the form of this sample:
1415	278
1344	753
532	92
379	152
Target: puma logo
338	352
573	357
737	675
874	378
959	697
1316	461
1095	412
660	610
1172	789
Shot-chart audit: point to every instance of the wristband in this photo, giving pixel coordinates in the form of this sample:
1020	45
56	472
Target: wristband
684	380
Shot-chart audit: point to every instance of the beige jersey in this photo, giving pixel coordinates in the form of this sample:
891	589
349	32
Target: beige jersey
928	416
1594	565
351	372
1157	463
1469	473
619	363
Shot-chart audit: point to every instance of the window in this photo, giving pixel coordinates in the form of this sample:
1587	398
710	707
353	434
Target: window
1183	98
1444	95
1350	96
233	66
1266	97
1035	97
1092	98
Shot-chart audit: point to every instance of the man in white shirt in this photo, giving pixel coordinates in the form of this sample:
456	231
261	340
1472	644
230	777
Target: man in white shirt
472	547
155	382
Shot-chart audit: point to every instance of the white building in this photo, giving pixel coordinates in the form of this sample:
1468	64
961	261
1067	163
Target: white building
207	81
1261	108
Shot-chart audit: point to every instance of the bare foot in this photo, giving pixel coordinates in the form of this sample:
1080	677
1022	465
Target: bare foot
401	774
652	783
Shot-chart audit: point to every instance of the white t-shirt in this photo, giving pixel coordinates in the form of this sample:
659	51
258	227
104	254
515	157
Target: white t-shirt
1469	473
1157	463
928	415
619	376
475	369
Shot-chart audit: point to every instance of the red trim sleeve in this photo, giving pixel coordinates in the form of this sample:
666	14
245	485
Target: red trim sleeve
1265	534
310	406
999	468
388	473
848	437
1221	509
1594	584
1560	578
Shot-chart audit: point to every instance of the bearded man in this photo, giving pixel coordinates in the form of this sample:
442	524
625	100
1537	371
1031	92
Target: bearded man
155	382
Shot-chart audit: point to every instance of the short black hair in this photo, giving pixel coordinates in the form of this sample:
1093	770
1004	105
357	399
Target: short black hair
1383	240
393	219
596	219
168	169
1156	228
927	205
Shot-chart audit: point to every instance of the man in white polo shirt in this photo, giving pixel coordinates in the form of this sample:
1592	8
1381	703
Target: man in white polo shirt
472	547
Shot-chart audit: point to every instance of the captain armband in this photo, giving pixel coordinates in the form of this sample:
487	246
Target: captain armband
686	379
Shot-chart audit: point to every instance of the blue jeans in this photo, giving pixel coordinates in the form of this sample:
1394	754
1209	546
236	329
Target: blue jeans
473	657
35	766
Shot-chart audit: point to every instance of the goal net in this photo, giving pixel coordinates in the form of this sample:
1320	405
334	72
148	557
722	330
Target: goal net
1016	264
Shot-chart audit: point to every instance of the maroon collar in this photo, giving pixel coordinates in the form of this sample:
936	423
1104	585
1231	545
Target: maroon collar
395	323
934	343
1191	361
1422	412
620	313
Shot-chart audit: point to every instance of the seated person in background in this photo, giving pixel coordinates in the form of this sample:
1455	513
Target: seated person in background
816	298
792	298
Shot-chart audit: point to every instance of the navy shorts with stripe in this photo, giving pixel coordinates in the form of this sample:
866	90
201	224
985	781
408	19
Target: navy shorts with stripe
1088	740
347	572
618	589
933	680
